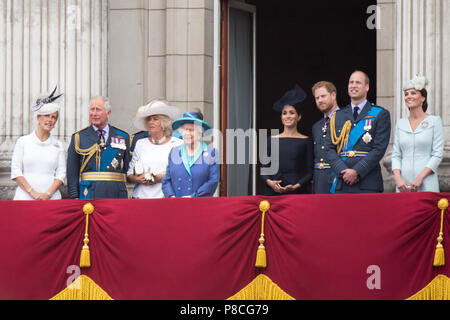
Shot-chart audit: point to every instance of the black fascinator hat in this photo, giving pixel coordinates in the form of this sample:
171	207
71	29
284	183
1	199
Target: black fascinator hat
292	97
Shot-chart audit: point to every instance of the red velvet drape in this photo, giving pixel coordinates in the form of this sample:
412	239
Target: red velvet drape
318	247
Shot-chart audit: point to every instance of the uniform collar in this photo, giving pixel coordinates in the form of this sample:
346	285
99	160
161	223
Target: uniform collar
331	114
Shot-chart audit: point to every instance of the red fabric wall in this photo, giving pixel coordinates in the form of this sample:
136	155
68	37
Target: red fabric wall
318	247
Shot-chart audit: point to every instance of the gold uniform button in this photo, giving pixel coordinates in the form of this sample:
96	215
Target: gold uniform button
323	148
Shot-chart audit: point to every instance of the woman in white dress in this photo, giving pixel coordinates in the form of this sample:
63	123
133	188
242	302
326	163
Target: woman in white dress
150	157
38	164
418	143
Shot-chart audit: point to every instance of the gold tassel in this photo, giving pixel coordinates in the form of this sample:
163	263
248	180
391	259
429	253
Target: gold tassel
439	255
261	259
85	258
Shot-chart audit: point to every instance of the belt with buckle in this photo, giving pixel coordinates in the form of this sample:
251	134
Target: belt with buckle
322	166
104	176
353	154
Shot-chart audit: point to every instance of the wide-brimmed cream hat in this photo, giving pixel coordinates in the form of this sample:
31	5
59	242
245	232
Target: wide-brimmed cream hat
153	108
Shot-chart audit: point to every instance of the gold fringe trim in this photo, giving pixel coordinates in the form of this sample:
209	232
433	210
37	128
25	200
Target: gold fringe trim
261	288
438	289
83	288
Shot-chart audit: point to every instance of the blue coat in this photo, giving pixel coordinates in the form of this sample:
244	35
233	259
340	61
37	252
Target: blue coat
415	150
201	182
368	167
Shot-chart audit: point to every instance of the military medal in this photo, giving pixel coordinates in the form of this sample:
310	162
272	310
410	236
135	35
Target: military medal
115	163
367	138
368	125
102	142
118	143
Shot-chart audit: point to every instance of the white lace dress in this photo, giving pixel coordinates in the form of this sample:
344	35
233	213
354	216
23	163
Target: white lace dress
40	163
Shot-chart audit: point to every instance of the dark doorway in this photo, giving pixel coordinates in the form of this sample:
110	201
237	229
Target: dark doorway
305	42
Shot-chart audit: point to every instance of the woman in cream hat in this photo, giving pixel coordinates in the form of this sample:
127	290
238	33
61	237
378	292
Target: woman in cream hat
38	164
418	142
150	156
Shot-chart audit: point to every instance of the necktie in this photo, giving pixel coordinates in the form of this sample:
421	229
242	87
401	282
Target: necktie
355	112
327	120
101	134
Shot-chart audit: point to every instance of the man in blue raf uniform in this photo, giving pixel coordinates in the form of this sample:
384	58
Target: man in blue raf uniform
324	93
98	157
359	136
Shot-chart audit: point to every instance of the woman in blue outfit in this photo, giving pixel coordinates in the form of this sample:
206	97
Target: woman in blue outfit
295	150
418	143
193	169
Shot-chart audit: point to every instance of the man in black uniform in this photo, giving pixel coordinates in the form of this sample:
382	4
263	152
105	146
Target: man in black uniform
98	157
324	93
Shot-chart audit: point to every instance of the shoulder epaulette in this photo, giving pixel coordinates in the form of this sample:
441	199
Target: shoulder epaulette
81	130
136	133
118	129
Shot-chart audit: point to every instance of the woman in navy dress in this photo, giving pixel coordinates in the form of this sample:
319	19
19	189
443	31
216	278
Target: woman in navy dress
295	151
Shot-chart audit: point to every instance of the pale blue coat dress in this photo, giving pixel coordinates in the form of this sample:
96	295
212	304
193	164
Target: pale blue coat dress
415	150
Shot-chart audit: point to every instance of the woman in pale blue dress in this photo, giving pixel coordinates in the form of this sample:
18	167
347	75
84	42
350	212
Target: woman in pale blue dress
418	143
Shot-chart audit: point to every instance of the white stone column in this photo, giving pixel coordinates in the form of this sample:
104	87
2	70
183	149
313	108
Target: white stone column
160	48
44	44
422	46
190	52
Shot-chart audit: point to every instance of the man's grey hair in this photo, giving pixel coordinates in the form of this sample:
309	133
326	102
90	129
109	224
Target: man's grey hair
105	100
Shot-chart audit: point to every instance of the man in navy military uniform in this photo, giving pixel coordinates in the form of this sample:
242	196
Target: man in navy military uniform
324	93
98	157
358	138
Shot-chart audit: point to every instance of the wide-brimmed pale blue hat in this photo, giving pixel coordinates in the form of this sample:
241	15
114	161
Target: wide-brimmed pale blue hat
191	117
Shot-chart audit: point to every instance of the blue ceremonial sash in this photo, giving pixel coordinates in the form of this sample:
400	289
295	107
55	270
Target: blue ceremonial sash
355	134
